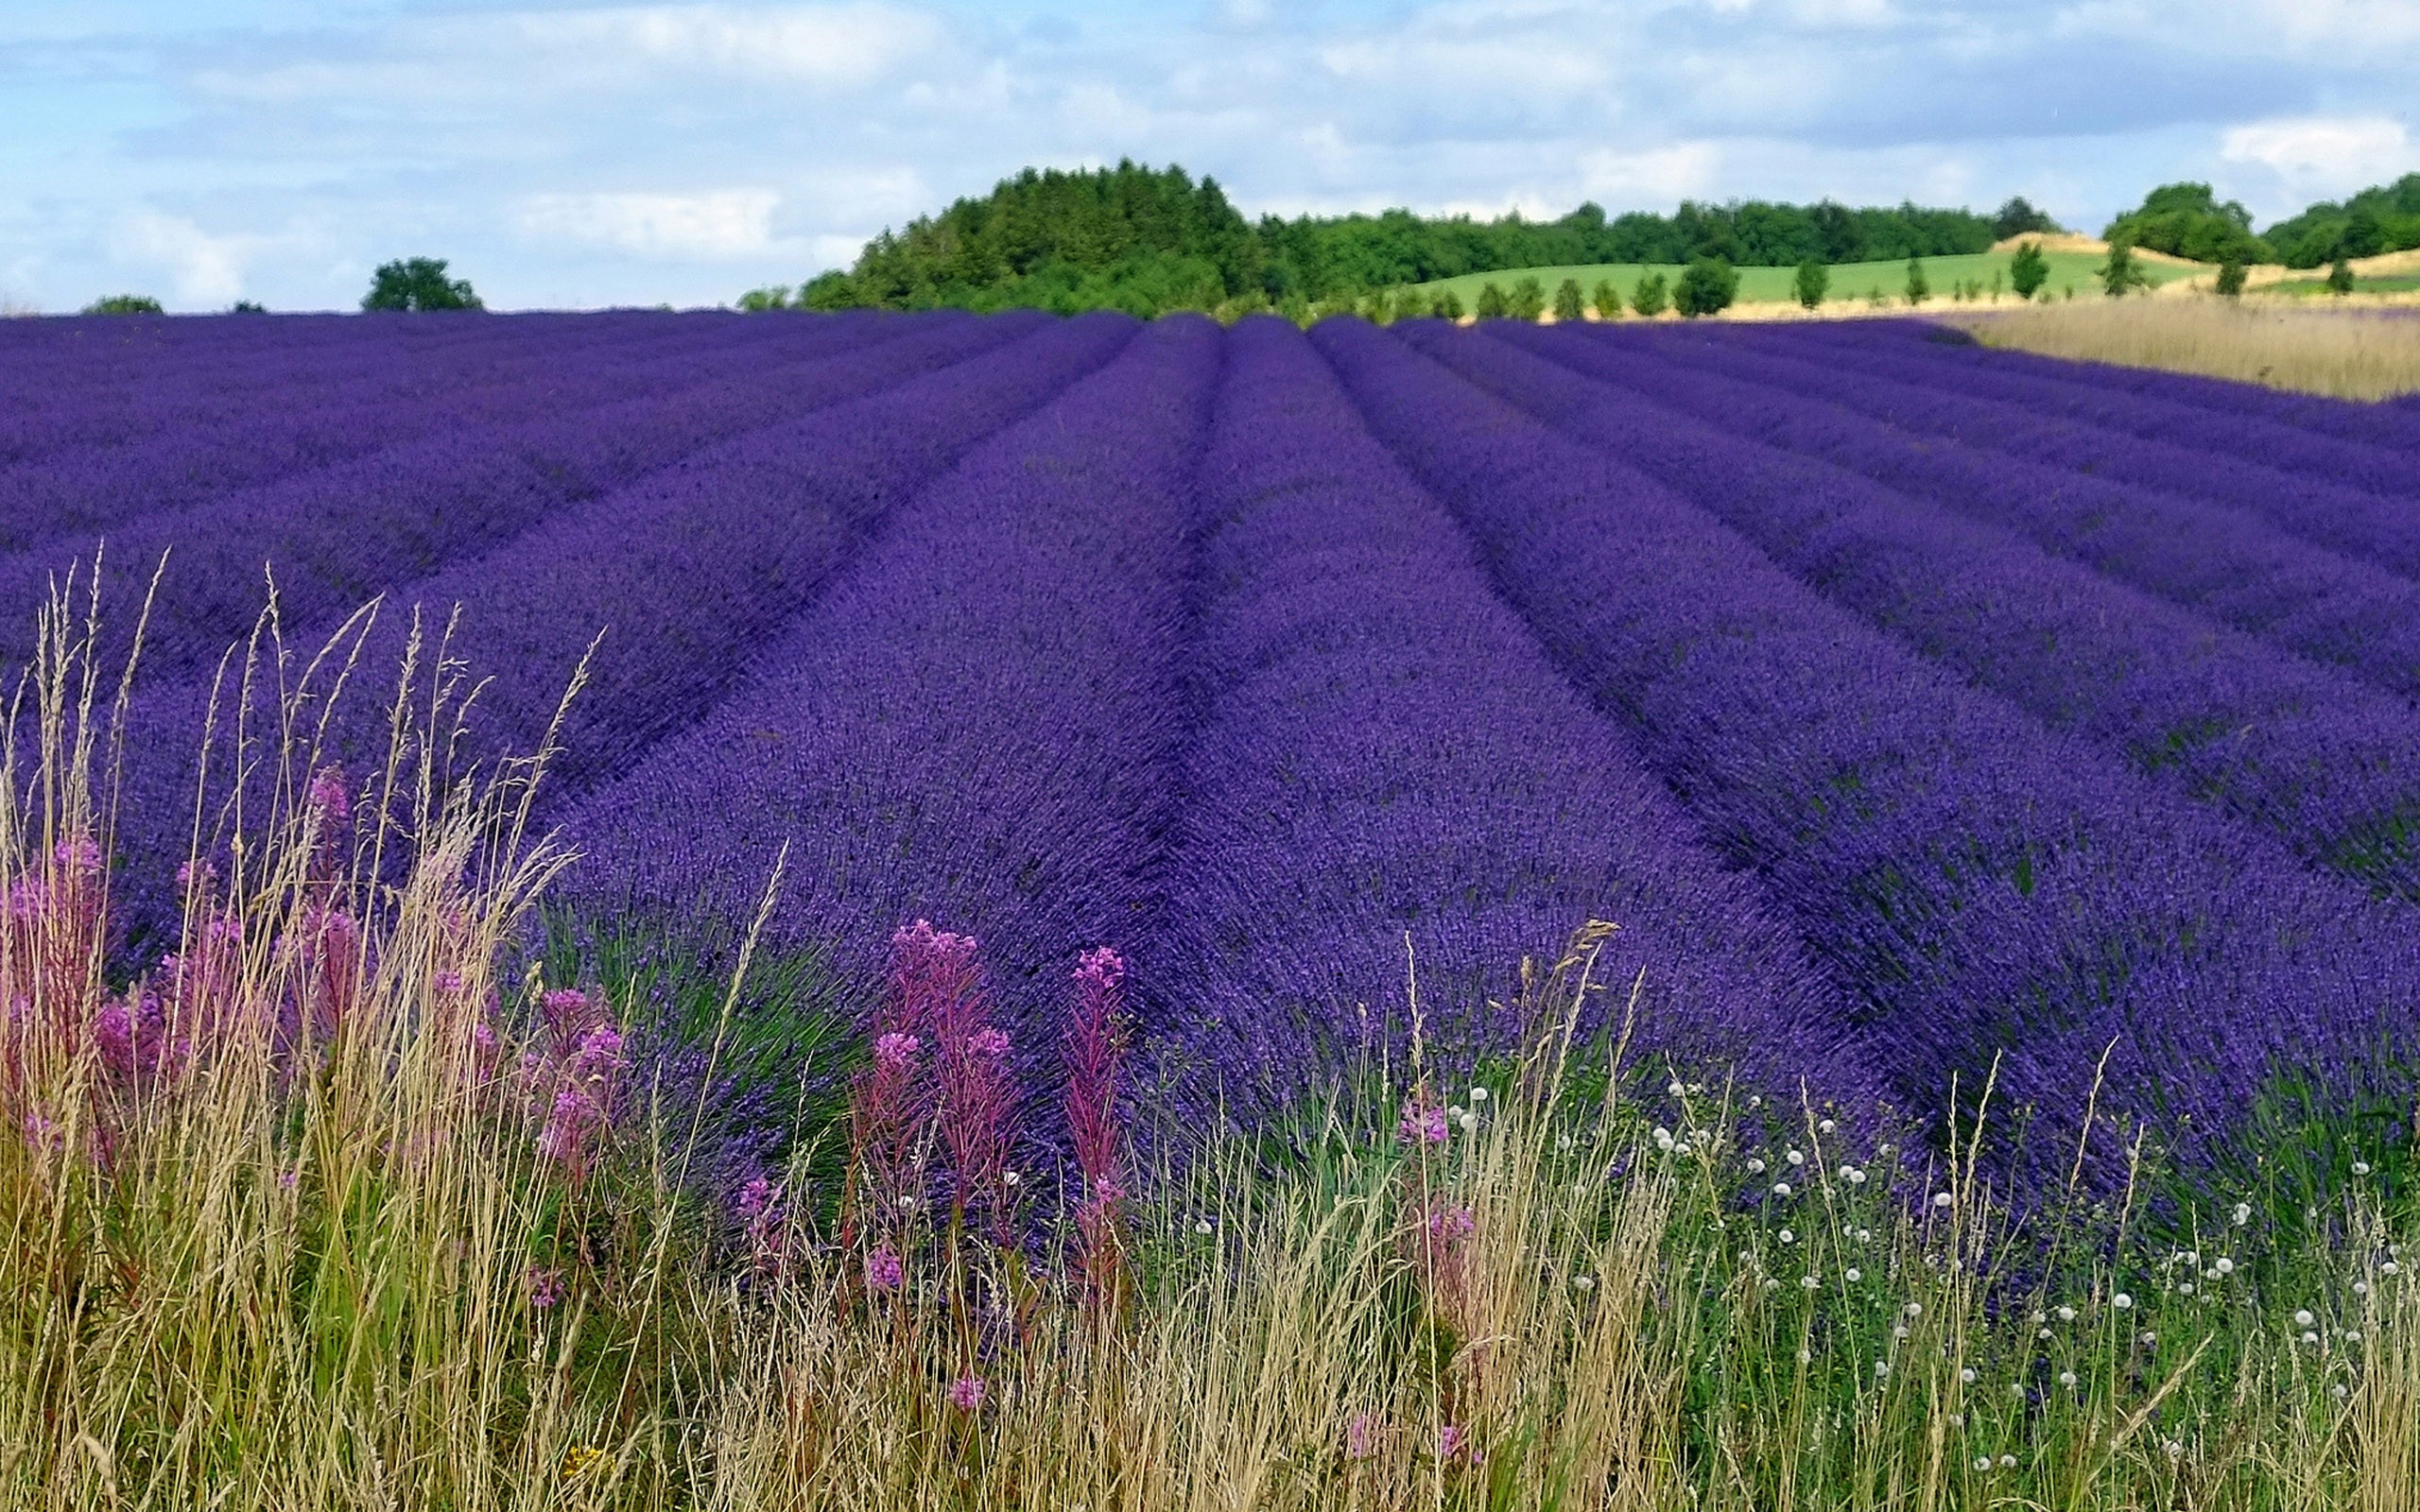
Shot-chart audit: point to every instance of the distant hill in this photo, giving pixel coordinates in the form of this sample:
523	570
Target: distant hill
1150	240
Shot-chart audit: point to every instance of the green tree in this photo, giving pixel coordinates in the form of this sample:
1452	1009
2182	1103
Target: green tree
1919	286
125	304
2017	218
1492	304
1812	283
246	308
1529	300
1608	300
1707	285
2028	270
1649	299
2340	277
2121	272
2230	277
1568	304
418	284
1447	305
756	301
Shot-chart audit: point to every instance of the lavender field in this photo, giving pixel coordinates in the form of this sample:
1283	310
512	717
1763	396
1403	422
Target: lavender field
1914	710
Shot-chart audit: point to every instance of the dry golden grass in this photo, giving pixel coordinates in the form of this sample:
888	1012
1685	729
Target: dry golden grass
2343	353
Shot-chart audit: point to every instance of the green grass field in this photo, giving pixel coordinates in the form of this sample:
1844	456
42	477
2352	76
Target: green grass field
1850	280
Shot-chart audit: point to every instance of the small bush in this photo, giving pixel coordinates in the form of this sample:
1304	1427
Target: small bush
1608	300
1409	304
1812	283
1447	305
2230	277
1919	286
1649	297
1568	305
756	301
1492	304
125	304
2028	270
1529	299
418	284
2122	272
1708	284
2340	277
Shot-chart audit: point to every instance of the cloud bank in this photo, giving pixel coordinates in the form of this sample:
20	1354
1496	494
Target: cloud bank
576	154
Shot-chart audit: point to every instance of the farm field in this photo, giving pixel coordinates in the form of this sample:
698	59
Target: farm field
1915	709
1162	915
1850	280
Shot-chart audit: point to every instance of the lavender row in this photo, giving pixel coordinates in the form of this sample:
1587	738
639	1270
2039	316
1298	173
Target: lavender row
2394	423
688	574
2374	521
2221	562
1996	892
975	725
335	538
2329	765
1383	755
95	489
140	392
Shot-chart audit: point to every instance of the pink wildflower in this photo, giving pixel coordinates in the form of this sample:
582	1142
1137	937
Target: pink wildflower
966	1393
546	1287
1361	1435
1095	1048
883	1271
897	1051
1454	1442
1424	1122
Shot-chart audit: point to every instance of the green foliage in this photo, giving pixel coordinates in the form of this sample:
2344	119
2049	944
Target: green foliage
756	301
2028	270
2018	217
418	284
2121	272
246	308
1528	300
2340	277
125	304
1568	305
1410	304
1608	300
2190	220
1143	239
1138	239
1708	284
1919	286
1812	282
1447	305
2384	218
1650	297
2230	277
1492	304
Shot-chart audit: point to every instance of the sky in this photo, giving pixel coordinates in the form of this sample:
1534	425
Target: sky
582	155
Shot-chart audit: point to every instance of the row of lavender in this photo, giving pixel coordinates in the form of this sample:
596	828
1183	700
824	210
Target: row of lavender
1905	717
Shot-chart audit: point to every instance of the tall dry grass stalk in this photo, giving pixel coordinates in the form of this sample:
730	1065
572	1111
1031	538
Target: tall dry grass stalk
2343	353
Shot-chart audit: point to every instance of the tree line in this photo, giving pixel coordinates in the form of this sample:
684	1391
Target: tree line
1147	240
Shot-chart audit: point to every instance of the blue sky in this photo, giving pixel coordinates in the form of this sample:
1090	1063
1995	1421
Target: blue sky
586	154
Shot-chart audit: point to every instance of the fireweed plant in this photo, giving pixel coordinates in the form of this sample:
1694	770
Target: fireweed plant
352	1201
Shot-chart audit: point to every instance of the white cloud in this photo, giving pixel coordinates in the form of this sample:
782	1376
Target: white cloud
723	223
204	268
648	48
1656	175
2323	154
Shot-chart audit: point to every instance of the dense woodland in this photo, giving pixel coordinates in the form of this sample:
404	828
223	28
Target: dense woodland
1149	240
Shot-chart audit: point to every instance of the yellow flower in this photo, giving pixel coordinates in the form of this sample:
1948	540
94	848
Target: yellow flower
579	1459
